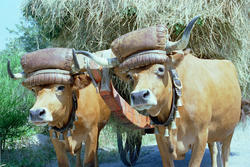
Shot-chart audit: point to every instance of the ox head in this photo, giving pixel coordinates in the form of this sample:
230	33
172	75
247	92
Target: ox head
54	102
54	93
149	73
151	83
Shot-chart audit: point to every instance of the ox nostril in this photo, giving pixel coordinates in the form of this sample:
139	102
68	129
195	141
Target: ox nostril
42	112
146	94
37	113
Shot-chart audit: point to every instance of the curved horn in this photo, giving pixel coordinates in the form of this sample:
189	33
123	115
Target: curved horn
105	62
14	76
76	63
183	42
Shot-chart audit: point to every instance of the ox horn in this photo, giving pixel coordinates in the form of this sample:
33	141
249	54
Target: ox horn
14	76
76	63
105	62
183	42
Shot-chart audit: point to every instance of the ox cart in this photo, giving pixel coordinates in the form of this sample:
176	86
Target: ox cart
129	147
129	144
154	50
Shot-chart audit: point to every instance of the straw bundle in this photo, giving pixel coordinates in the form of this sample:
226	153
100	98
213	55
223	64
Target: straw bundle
222	31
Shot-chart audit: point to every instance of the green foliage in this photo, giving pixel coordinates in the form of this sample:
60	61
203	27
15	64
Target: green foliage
29	36
35	156
129	11
14	110
178	28
15	100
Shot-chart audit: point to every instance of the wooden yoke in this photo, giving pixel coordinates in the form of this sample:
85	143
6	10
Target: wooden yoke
119	107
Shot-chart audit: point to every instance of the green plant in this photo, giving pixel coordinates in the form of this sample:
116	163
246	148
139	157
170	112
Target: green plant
29	36
30	156
15	101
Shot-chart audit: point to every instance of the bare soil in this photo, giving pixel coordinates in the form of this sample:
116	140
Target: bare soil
239	155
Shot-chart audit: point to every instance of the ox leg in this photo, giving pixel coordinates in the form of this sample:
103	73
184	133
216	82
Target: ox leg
61	154
198	149
78	157
166	158
226	149
213	153
90	155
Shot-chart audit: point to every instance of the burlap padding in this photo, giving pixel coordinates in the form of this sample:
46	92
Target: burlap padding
152	38
50	58
46	79
144	59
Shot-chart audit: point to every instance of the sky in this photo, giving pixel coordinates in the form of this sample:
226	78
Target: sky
10	14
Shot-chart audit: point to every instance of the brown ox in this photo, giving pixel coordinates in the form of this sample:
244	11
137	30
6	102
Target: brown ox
211	100
211	105
53	107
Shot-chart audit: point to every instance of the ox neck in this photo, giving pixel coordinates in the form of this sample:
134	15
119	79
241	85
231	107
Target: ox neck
176	93
72	117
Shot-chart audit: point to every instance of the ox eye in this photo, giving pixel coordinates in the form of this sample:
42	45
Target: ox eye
33	90
160	71
129	76
60	88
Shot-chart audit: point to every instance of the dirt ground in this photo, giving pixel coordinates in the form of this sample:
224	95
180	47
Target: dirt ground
150	156
239	155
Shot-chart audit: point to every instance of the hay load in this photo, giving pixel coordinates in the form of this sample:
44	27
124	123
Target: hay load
222	31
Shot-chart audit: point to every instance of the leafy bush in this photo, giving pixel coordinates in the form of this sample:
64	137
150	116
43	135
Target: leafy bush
29	36
32	156
15	100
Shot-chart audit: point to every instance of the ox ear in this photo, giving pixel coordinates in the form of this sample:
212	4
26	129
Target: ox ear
176	58
81	81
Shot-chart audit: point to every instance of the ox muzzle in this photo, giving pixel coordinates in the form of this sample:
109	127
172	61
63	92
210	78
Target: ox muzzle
40	116
143	99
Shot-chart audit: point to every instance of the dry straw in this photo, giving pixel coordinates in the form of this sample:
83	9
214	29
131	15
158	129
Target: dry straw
222	32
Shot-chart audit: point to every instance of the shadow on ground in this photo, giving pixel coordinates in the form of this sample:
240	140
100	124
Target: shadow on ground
239	155
150	156
41	154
